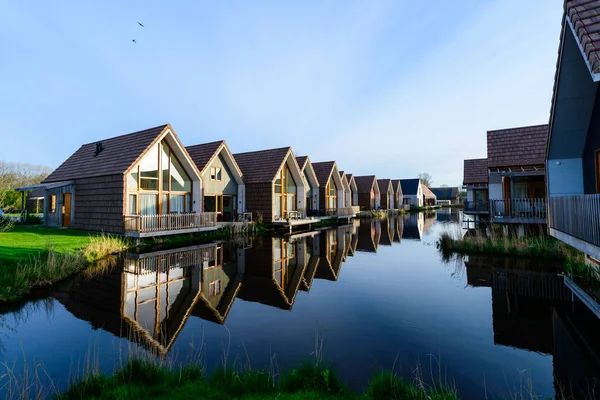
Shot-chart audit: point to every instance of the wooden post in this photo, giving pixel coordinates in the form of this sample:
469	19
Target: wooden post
22	208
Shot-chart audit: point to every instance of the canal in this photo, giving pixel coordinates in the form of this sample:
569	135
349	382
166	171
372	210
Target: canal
365	297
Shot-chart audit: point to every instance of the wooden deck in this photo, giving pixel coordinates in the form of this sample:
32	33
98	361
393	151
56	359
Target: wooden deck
142	226
518	211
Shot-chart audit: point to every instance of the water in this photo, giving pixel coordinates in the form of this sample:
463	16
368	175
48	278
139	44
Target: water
364	297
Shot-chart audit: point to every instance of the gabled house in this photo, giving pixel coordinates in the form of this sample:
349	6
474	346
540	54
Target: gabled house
516	163
412	192
446	195
353	189
140	184
347	191
386	195
368	192
223	189
429	198
398	197
332	251
275	189
311	184
475	180
331	190
573	153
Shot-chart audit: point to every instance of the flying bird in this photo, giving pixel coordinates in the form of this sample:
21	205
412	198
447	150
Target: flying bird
133	40
140	24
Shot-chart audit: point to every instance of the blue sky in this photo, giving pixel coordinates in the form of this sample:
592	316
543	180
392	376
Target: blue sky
385	87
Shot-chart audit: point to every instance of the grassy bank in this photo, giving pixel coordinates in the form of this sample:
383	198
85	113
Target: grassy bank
150	380
424	208
378	214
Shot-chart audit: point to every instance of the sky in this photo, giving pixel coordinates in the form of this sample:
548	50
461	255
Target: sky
386	87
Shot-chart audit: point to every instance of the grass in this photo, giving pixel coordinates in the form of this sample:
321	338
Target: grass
378	214
34	257
424	208
149	379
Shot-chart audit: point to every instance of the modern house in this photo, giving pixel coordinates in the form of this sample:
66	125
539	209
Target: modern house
311	184
446	195
386	194
347	190
573	154
516	163
412	192
223	189
368	192
331	189
275	191
398	196
475	180
140	184
429	198
353	190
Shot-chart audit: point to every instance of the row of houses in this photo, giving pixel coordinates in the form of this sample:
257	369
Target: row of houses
148	183
550	174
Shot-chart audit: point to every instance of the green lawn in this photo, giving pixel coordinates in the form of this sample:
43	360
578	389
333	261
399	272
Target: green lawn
22	242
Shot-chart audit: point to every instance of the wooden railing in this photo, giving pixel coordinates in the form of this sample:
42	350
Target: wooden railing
345	211
168	222
524	209
245	217
477	206
578	216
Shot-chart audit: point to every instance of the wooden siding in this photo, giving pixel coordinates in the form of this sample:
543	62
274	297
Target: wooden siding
259	199
99	203
322	199
364	201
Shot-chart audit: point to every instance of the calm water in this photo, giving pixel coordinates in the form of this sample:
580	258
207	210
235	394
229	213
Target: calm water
372	295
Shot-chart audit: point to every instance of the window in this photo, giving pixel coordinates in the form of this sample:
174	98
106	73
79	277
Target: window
133	204
215	173
331	194
284	188
52	203
214	288
405	200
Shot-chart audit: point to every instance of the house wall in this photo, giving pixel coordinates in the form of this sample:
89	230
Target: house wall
495	187
55	218
227	184
259	199
592	145
364	201
565	177
99	203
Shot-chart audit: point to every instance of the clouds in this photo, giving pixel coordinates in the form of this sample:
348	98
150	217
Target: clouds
385	87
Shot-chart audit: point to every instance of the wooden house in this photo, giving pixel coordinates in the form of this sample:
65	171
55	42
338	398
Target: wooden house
516	164
140	184
331	190
223	189
368	192
354	190
347	191
275	191
412	192
429	198
386	194
573	154
475	180
311	184
398	197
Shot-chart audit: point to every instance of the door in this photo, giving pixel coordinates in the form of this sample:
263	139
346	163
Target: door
66	210
228	202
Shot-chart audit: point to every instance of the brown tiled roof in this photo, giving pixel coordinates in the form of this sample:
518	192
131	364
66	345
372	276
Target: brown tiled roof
426	191
201	154
517	146
117	155
397	186
364	184
323	171
475	171
384	185
301	161
585	18
261	166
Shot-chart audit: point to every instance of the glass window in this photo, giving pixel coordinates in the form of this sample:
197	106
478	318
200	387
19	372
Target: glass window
132	179
278	178
291	185
148	204
52	203
132	204
213	173
218	173
180	182
149	184
520	189
277	207
291	203
164	160
210	203
177	204
149	165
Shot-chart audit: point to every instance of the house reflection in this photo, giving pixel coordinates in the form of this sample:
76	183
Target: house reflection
368	237
387	232
149	298
429	219
398	223
413	226
332	251
275	271
354	237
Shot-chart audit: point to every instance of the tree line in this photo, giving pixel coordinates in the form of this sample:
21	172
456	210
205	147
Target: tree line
14	175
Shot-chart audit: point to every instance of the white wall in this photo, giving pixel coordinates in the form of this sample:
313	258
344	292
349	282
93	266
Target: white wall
565	177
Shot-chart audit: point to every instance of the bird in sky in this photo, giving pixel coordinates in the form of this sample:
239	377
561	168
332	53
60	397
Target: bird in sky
133	40
140	24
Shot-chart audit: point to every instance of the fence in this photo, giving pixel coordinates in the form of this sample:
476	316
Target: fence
519	208
578	216
169	222
477	206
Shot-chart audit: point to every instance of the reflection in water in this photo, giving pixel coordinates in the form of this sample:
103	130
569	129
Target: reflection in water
150	297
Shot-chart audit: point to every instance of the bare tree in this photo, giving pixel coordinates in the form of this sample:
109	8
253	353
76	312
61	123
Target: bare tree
14	175
426	179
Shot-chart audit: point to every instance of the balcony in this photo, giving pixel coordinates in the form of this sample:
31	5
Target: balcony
579	218
518	211
477	207
168	224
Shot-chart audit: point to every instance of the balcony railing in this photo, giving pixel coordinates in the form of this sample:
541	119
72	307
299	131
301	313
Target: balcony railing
169	222
524	210
477	206
578	216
